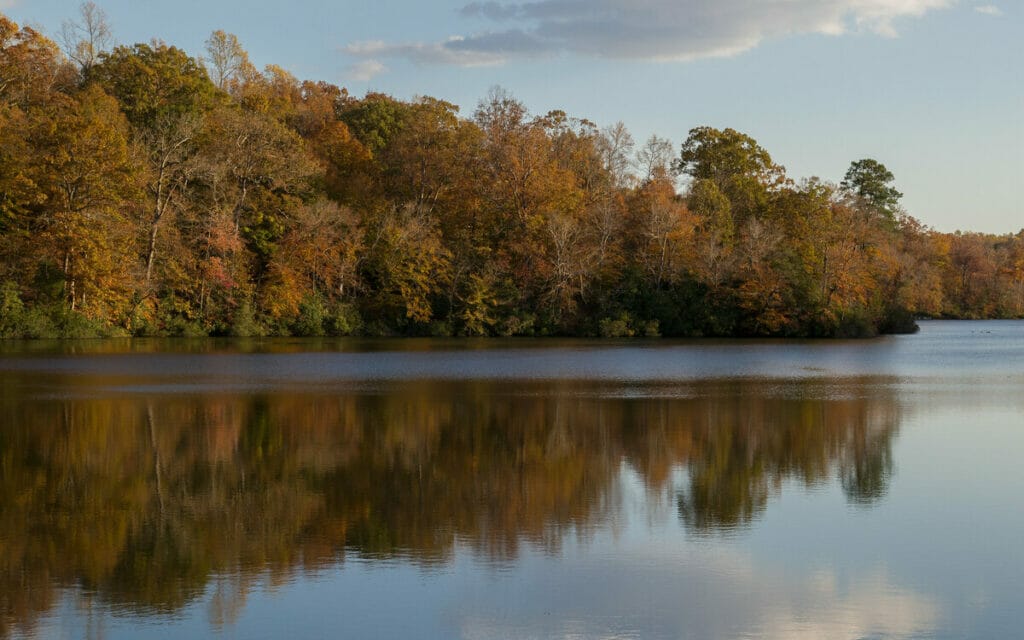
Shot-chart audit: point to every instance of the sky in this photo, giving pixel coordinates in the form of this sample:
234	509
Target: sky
933	89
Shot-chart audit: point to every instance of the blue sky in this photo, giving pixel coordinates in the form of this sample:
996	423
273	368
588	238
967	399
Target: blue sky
934	89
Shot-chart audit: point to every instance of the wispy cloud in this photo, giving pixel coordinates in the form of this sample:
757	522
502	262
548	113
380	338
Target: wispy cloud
450	51
989	10
646	29
8	4
365	70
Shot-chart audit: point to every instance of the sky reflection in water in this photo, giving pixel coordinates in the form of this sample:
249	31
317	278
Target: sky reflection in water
704	490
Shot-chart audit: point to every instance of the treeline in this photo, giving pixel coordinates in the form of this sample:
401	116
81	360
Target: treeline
147	192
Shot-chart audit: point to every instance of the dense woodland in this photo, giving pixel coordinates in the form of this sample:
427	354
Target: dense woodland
144	191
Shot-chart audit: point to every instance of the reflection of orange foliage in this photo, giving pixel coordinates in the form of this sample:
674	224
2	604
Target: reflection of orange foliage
222	441
145	500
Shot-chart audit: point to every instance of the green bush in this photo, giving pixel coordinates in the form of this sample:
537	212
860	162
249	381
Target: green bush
312	318
440	329
521	324
181	327
244	323
12	311
75	326
344	320
652	329
47	321
616	327
37	324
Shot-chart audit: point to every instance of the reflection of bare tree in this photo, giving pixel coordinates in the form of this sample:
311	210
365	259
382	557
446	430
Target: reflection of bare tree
151	502
228	599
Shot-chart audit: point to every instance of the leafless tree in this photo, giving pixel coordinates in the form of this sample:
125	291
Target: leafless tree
86	38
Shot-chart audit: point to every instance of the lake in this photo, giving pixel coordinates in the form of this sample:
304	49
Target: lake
515	488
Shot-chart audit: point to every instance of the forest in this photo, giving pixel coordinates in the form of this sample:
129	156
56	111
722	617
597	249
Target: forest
147	192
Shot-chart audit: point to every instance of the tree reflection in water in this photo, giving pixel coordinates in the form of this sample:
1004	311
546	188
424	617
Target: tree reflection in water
147	502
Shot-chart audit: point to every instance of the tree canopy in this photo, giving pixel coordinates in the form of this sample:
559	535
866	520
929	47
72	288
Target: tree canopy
144	191
870	181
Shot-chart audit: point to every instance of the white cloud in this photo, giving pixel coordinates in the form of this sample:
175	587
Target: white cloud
365	70
448	52
647	29
8	4
710	595
989	10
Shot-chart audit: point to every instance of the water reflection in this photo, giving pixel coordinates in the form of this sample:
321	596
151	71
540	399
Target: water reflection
146	503
718	596
744	447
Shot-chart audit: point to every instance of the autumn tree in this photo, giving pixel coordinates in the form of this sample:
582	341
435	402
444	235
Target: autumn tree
913	281
17	189
31	67
252	174
166	96
248	152
532	184
89	183
406	266
171	147
229	62
575	213
315	267
970	274
666	227
429	166
1011	272
31	76
828	259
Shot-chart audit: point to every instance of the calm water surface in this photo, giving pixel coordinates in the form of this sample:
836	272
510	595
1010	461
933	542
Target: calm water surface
515	489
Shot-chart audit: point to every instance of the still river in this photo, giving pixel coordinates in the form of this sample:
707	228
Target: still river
515	489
